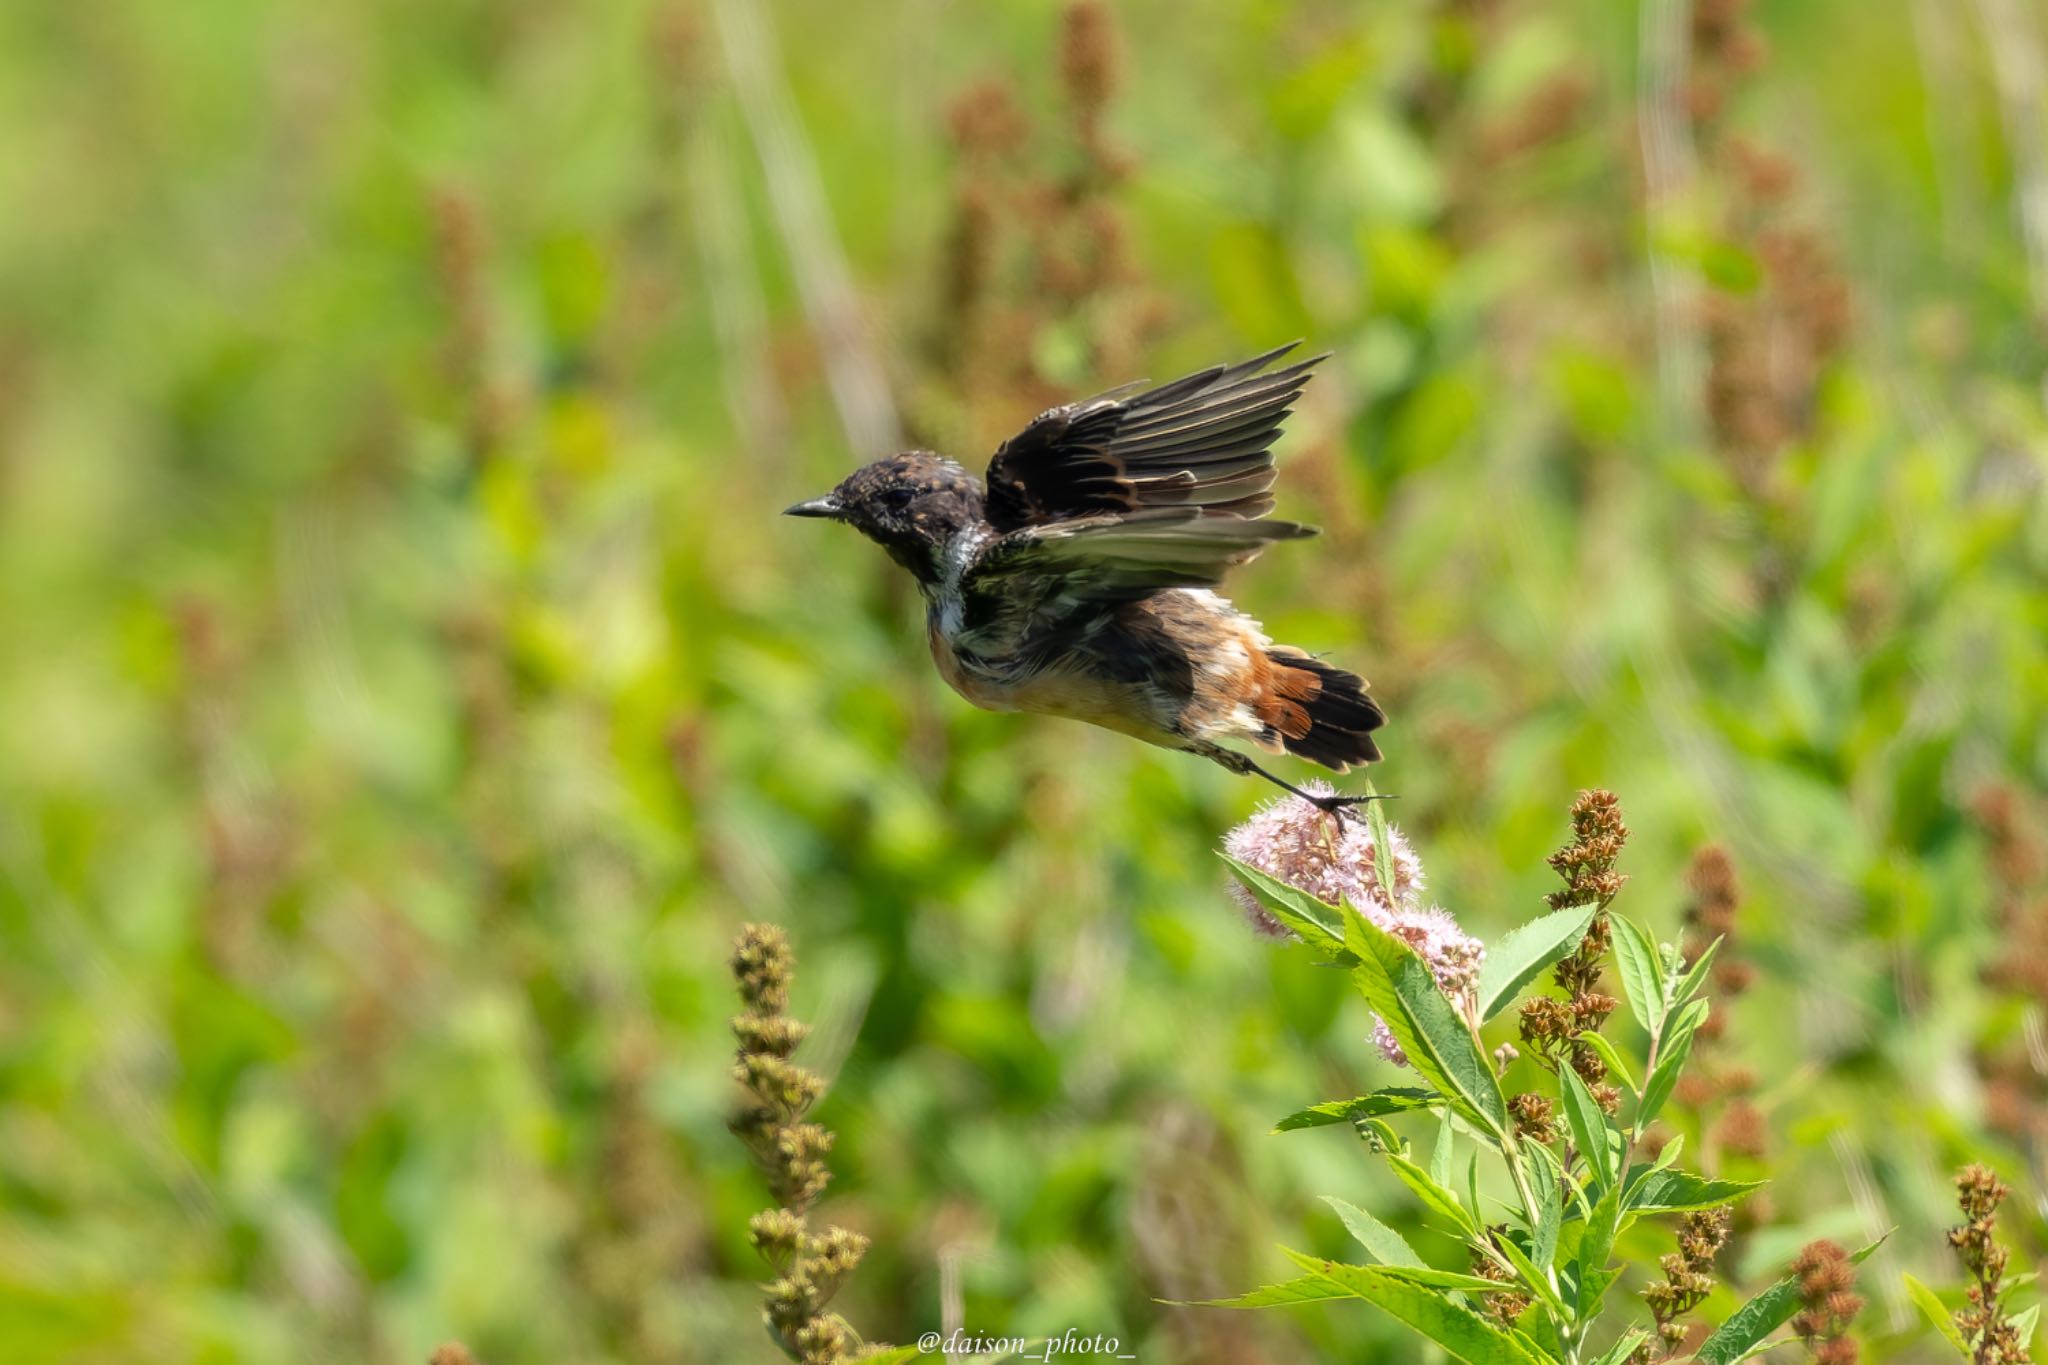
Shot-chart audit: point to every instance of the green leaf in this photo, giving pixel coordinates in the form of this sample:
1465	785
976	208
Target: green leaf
1382	845
1760	1317
1521	957
2024	1323
1463	1333
1549	1220
1595	1247
1554	1169
1320	924
1440	1045
1440	1154
1654	1191
1433	1195
1534	1278
1381	1242
1612	1056
1642	980
1670	1063
1394	1100
1621	1350
1688	1019
1936	1312
1588	1124
1696	975
1427	1276
1307	1289
894	1356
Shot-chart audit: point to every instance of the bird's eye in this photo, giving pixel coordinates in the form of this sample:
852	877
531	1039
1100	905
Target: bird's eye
896	499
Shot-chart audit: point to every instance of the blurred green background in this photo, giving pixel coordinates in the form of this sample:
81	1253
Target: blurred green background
407	687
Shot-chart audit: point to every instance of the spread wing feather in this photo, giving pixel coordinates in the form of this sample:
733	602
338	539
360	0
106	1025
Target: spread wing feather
1202	442
1041	576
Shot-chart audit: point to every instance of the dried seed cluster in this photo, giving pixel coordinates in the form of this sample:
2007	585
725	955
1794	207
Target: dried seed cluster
1556	1029
1510	1304
1710	915
1992	1337
1688	1279
809	1267
1828	1302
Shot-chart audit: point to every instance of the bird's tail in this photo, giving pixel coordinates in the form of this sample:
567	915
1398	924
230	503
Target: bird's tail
1320	713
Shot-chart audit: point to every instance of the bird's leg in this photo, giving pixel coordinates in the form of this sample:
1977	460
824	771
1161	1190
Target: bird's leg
1335	804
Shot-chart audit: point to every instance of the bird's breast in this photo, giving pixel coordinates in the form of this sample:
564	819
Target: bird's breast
1057	687
971	677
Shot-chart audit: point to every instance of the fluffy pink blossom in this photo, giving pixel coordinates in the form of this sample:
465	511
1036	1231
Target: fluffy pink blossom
1332	859
1336	860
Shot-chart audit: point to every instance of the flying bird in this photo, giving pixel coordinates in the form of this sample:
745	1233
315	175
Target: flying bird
1078	579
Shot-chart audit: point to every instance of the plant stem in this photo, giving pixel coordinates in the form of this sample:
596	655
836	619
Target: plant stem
1568	1333
1635	1130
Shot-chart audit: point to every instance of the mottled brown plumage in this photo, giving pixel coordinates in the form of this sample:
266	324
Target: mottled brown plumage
1076	581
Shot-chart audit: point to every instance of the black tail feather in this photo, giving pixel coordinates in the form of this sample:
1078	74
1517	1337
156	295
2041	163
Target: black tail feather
1341	717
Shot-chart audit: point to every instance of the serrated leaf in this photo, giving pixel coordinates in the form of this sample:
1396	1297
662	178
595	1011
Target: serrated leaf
1381	1242
1521	956
1393	1100
1319	924
1696	975
1587	1122
1596	1245
1427	1276
1937	1313
1534	1278
1670	1063
1642	981
1623	1349
1402	991
1750	1324
1307	1289
1382	845
1653	1191
1440	1154
1549	1220
1593	1288
1463	1333
1432	1194
1617	1066
1554	1169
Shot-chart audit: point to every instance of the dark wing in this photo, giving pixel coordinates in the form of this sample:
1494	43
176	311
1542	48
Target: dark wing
1039	577
1203	441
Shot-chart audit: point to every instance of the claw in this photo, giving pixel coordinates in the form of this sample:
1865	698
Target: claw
1340	806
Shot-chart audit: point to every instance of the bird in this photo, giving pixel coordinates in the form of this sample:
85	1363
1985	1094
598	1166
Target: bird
1078	578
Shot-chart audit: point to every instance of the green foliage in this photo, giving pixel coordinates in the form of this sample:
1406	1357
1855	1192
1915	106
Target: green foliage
1939	1316
1748	1326
1578	1183
1524	954
407	686
1440	1043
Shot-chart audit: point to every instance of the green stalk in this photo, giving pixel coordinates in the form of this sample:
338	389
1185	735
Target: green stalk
1511	1153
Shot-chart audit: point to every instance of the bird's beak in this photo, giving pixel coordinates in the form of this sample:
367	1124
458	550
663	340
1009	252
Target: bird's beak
816	507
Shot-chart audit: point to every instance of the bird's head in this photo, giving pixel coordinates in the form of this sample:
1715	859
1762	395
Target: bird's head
911	505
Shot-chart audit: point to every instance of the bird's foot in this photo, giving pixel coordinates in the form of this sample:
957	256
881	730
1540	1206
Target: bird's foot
1341	806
